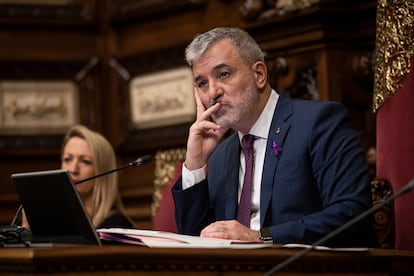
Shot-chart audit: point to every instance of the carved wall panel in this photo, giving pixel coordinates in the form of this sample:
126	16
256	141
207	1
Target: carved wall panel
64	12
132	10
72	76
296	76
132	139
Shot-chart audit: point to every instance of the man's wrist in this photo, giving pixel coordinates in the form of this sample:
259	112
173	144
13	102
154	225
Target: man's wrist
265	236
191	178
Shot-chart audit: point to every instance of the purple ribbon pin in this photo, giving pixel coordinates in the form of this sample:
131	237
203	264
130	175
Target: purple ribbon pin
276	148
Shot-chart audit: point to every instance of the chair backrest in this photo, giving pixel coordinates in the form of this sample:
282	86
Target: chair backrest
384	216
167	171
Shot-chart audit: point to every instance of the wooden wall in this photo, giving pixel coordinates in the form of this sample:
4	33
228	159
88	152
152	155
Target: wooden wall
321	51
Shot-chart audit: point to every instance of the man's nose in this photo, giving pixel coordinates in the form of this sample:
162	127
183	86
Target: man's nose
215	92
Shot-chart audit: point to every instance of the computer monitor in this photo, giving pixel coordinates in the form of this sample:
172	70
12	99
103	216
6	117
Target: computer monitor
53	208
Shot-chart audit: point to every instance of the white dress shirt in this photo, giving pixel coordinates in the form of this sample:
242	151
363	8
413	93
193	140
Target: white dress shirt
260	129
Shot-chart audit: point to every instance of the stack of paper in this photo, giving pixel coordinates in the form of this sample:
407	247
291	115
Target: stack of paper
171	240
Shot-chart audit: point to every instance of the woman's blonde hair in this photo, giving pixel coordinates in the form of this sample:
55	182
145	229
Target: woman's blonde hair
106	198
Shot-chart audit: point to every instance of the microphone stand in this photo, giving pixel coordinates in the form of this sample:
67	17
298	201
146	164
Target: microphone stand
140	161
351	222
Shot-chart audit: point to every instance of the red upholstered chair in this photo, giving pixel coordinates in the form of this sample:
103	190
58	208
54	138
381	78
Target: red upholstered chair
167	170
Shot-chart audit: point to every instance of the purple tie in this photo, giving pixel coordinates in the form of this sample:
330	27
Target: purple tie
243	212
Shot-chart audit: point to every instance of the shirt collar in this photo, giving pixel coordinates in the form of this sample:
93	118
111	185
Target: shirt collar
261	127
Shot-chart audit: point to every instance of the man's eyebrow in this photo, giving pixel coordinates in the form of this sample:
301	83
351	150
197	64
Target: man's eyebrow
215	68
219	66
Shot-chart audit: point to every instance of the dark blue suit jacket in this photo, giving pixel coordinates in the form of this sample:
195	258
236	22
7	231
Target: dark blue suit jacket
315	184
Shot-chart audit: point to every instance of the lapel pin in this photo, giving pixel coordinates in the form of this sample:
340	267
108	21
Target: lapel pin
276	148
278	130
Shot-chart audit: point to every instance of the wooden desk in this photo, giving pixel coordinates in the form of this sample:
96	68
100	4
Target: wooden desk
136	260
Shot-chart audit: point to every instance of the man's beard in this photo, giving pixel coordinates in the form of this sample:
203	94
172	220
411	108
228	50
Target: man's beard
228	116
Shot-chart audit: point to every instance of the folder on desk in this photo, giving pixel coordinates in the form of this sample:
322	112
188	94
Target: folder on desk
159	239
54	209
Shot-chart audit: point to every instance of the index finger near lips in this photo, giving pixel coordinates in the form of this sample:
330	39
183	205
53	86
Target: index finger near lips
200	107
204	113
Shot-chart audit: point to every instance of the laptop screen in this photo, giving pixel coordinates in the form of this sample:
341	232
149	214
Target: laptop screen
53	208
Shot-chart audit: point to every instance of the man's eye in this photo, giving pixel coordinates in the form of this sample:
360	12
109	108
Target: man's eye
201	83
223	74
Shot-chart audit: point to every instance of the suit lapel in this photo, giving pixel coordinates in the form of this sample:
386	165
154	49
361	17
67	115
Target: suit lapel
278	131
231	177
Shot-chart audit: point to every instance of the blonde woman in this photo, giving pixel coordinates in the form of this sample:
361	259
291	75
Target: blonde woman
86	153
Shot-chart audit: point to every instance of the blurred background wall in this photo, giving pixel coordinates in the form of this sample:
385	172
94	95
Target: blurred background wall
74	61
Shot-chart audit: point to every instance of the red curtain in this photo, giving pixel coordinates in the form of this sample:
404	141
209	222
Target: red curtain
395	156
394	104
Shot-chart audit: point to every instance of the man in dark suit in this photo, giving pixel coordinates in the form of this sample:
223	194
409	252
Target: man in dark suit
309	171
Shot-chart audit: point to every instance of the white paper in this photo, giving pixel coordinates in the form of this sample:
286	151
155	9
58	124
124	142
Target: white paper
161	239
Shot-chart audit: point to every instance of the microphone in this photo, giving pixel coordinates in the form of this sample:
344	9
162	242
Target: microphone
408	187
139	162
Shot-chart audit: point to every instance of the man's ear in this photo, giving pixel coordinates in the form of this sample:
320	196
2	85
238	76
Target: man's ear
260	73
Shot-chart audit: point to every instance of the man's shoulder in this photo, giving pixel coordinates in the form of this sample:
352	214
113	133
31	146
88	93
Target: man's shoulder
284	97
310	112
313	107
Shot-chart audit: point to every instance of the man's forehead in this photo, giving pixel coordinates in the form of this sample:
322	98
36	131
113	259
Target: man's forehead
216	58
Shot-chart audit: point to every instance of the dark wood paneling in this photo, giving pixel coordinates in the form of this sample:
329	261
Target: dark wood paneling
61	14
139	260
102	45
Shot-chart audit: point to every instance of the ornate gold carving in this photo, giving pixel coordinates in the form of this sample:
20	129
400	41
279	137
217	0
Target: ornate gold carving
395	47
165	166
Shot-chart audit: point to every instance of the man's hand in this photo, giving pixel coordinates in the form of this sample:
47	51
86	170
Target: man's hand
231	230
203	137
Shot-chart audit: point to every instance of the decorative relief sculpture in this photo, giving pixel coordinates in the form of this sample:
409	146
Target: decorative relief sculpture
261	9
33	107
303	78
162	99
36	107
